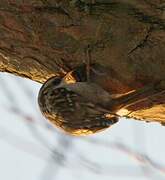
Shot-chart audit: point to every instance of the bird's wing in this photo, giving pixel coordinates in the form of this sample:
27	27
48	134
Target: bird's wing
90	91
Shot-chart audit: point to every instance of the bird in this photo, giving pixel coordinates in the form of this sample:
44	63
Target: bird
79	106
75	105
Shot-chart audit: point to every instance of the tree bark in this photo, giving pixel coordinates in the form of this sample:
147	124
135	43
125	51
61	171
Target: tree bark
44	38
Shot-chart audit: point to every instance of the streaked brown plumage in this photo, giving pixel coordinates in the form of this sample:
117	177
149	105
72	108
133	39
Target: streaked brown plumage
74	107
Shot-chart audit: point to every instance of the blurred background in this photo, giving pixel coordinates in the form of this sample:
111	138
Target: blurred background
31	149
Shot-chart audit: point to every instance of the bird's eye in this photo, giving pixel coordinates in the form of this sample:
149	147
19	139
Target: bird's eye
51	81
56	81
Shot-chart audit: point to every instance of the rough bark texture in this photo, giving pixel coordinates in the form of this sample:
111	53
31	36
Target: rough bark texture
43	38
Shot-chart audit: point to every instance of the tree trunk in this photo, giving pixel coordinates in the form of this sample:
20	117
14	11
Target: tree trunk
44	38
